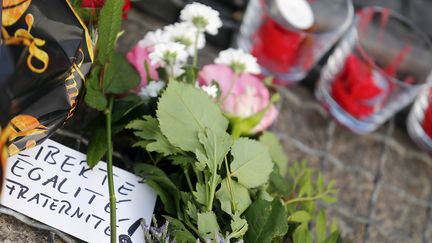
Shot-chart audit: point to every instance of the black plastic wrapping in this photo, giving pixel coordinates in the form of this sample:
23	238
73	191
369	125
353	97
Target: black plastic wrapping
45	55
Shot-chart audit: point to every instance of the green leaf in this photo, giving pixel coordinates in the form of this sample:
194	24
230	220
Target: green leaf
241	198
278	185
179	231
97	147
120	76
162	184
329	199
200	194
335	237
123	107
321	226
208	226
184	112
182	160
334	226
192	211
239	227
148	129
302	234
252	164
191	72
95	98
216	147
109	25
300	217
271	141
267	221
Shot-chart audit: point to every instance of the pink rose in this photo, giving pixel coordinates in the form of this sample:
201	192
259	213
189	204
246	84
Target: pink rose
137	56
242	98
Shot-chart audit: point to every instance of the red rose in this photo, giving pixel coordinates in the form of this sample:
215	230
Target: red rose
275	47
99	4
356	90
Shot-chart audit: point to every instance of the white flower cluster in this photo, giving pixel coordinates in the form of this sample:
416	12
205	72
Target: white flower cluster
152	90
239	61
203	17
172	45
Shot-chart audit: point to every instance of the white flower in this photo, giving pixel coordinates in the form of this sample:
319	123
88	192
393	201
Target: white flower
185	33
152	90
202	16
211	90
169	54
239	61
154	37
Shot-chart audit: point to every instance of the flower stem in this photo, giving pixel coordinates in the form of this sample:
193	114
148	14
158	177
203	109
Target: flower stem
112	197
230	187
195	57
188	179
306	199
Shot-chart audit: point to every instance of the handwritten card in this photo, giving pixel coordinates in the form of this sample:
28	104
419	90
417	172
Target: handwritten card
53	184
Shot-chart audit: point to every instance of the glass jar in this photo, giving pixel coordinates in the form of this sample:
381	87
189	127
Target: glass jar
282	49
377	69
419	121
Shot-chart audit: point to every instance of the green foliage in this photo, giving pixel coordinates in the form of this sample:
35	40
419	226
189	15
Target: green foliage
216	147
120	76
222	186
267	221
94	96
97	146
162	184
184	112
208	226
148	129
271	141
252	163
109	25
302	234
234	197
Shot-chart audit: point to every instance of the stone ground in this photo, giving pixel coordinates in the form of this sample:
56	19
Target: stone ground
385	181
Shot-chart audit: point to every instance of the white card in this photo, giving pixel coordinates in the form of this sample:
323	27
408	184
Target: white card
297	12
52	184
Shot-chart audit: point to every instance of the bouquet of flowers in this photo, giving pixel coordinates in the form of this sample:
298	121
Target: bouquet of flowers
202	132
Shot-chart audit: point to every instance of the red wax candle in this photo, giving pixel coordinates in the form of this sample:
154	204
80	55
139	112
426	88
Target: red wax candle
427	121
356	90
275	47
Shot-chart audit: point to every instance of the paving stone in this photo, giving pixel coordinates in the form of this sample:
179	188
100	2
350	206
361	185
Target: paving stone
296	121
380	237
398	218
351	230
428	233
295	154
409	174
136	27
356	150
13	230
355	190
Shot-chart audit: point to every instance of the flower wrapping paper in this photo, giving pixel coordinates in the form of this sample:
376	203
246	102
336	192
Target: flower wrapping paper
45	54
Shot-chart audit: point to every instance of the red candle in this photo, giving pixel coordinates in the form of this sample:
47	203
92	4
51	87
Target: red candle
275	47
427	121
356	90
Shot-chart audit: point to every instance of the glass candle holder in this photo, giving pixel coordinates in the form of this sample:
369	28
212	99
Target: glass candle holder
285	52
377	69
419	121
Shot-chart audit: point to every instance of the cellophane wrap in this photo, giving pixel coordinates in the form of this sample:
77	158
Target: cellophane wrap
45	54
